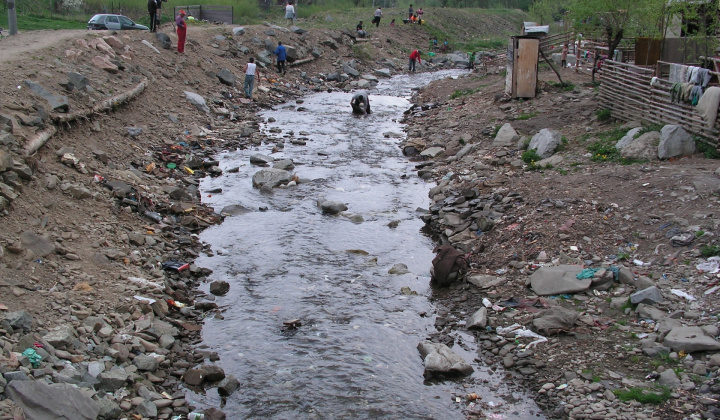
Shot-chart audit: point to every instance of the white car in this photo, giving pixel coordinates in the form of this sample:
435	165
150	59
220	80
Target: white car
113	22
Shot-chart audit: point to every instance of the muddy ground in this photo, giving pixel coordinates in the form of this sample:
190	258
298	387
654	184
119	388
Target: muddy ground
616	210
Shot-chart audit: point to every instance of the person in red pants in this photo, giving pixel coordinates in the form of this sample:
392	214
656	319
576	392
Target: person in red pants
181	31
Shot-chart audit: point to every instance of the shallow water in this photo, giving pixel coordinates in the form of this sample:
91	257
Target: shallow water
355	354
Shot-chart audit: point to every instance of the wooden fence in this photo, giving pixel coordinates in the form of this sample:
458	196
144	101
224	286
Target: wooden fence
625	90
554	42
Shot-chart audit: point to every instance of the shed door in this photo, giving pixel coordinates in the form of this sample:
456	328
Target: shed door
526	61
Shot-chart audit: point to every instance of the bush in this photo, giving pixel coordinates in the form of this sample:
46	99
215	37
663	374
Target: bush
604	115
644	396
708	150
531	157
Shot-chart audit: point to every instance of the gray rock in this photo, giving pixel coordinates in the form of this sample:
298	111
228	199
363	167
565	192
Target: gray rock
134	131
317	52
146	363
643	147
627	138
78	80
41	401
440	359
669	379
112	380
20	320
351	71
78	192
331	207
108	409
166	341
506	136
57	102
650	295
164	40
239	30
213	373
228	385
226	77
545	142
194	377
6	161
297	30
219	287
16	375
260	159
147	409
478	320
271	177
39	245
385	72
690	339
554	320
284	164
234	210
485	281
674	142
60	337
399	269
197	101
555	280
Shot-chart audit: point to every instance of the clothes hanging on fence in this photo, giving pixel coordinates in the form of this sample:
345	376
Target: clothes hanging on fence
676	73
692	72
707	106
676	92
695	94
685	91
704	75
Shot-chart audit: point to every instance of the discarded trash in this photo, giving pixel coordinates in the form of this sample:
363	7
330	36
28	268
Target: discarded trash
682	239
175	303
144	282
711	290
682	294
563	386
587	273
640	263
292	324
32	355
153	216
498	308
188	170
149	301
472	396
175	266
486	302
98	178
519	331
3	307
171	165
711	267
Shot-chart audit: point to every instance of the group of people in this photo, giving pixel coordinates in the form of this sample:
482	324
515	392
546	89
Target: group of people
414	16
154	9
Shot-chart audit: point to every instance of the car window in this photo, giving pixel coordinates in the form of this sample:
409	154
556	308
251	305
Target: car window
111	19
125	21
98	19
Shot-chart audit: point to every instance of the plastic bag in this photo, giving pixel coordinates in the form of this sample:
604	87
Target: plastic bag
520	331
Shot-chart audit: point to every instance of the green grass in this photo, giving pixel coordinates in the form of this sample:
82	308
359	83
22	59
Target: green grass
603	150
604	114
710	250
627	305
567	87
526	116
32	22
643	395
531	157
664	359
708	150
463	92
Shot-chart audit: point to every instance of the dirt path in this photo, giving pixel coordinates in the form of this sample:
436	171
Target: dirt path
28	42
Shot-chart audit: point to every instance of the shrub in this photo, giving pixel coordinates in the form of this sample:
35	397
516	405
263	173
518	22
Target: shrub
604	114
643	395
531	157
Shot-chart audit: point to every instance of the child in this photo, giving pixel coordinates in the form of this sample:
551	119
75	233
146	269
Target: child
563	57
392	22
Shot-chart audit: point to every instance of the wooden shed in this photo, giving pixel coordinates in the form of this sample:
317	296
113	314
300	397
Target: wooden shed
522	67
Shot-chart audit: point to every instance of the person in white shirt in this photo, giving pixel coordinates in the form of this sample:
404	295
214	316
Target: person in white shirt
378	15
290	13
251	71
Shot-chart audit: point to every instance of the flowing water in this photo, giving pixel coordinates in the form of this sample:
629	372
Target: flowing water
355	354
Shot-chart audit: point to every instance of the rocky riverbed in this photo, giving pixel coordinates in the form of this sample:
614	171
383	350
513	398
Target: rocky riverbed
593	281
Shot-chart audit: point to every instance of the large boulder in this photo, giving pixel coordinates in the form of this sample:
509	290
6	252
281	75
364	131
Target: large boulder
643	147
164	40
674	142
197	101
545	142
271	177
690	339
39	245
57	102
331	207
627	138
506	136
226	77
41	401
440	360
557	280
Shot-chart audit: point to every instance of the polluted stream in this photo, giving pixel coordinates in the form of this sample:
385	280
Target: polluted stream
354	354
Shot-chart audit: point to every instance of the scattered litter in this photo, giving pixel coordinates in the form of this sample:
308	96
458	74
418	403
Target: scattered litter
587	273
487	302
32	355
149	301
682	239
711	266
3	307
175	266
573	248
711	290
144	282
640	263
498	308
519	331
563	386
682	294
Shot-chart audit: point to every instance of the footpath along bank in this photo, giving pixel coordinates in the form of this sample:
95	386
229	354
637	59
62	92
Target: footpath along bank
104	137
593	281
